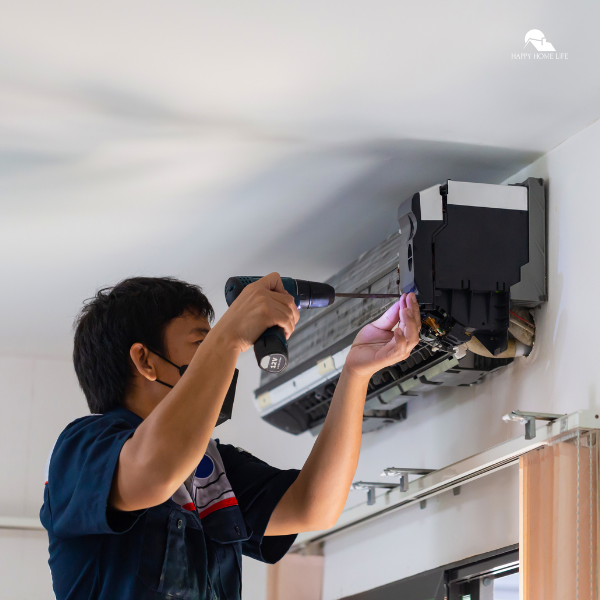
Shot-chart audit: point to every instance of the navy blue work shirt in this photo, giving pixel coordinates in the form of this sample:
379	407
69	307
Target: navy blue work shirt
188	550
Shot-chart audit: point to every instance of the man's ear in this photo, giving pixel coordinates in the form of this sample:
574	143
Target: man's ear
143	361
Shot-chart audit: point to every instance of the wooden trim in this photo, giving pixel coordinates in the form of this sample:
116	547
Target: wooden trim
295	577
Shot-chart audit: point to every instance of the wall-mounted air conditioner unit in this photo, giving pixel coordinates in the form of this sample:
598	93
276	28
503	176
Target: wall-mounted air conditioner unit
475	254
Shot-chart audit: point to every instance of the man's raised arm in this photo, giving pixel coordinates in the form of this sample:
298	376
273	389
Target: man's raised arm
316	499
172	440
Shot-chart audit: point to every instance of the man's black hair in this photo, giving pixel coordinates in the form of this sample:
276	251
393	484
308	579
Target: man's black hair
134	310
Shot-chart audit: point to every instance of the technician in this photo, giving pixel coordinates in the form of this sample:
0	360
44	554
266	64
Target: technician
140	502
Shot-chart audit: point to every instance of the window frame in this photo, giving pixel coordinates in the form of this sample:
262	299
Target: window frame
440	583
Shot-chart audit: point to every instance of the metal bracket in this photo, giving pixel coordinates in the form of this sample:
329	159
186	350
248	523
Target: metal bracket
403	474
370	487
528	419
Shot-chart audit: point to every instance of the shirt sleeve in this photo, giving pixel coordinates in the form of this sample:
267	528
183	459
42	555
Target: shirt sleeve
80	476
258	488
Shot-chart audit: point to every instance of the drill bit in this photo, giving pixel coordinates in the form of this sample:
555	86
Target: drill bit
348	295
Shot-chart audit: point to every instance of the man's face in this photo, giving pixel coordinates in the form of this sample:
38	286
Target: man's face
183	335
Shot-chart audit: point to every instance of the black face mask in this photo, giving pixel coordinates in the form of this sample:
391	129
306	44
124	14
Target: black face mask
227	407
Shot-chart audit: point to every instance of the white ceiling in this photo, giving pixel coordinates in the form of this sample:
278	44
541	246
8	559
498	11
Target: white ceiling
206	139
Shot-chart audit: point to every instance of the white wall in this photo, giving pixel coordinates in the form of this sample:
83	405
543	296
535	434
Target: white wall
560	376
40	396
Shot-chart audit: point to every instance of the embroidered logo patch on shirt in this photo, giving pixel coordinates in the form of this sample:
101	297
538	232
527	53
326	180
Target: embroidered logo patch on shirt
207	489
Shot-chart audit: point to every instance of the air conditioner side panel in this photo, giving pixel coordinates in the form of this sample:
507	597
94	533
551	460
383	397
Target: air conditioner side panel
532	289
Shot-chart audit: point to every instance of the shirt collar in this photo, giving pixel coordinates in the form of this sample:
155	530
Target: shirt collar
127	416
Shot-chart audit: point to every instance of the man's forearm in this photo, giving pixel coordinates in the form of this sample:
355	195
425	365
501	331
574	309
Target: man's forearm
316	499
171	441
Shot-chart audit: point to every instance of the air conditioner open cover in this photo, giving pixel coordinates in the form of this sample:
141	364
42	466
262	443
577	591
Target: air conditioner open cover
470	251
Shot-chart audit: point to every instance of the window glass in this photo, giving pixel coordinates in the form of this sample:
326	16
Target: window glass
506	588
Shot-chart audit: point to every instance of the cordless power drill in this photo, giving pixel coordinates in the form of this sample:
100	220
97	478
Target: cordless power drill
271	347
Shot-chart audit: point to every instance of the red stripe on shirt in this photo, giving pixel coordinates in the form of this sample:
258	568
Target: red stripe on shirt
218	506
190	506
